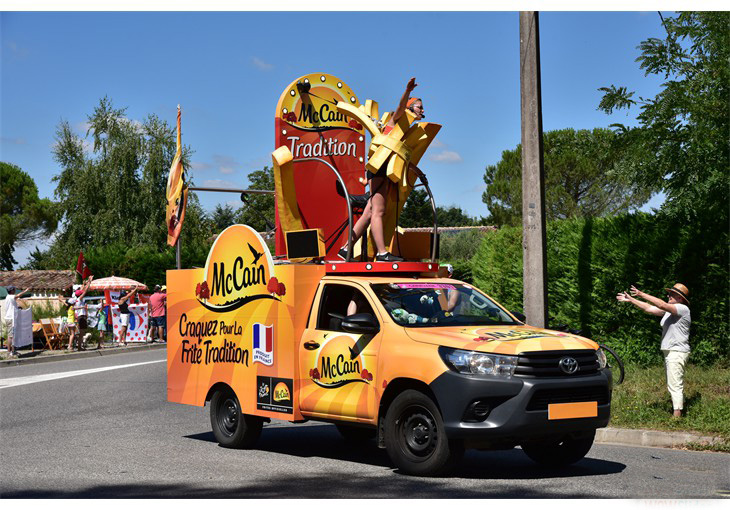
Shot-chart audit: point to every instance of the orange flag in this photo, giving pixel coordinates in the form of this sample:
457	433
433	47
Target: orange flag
177	192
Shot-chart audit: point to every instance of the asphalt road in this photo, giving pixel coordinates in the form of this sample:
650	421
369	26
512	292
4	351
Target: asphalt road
112	434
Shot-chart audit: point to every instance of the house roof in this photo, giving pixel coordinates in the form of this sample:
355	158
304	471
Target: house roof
38	279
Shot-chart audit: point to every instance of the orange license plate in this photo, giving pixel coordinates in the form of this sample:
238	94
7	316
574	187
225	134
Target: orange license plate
572	410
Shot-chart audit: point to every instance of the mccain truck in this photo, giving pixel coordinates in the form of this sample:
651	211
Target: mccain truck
426	366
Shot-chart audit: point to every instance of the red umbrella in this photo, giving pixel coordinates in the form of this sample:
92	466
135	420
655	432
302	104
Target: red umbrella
116	283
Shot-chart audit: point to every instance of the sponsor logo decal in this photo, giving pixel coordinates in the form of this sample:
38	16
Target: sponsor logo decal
238	270
263	344
280	399
339	362
512	334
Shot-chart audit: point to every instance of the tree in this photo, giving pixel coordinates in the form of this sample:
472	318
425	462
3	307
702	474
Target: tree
583	177
681	142
258	209
23	216
223	217
418	212
112	199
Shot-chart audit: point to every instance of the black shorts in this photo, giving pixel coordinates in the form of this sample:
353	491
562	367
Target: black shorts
81	321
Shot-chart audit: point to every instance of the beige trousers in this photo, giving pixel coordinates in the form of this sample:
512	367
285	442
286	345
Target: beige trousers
674	361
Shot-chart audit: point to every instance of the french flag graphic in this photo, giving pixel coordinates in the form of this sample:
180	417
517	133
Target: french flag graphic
263	344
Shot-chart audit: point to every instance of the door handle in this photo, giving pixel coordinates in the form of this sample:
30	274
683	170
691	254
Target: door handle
311	345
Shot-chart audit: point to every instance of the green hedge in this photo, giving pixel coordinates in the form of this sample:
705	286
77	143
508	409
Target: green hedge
591	260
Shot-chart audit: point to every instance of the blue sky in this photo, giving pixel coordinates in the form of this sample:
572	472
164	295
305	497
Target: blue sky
227	70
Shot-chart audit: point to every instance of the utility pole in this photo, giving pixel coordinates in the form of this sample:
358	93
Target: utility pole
534	250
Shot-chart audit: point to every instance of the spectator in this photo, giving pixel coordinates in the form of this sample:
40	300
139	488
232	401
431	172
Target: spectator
124	315
101	324
158	304
675	324
79	307
11	306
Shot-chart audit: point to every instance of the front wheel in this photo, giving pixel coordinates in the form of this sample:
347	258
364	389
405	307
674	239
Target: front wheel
415	438
559	453
231	428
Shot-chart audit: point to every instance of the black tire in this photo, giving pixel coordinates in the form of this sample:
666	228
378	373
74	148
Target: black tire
231	428
354	434
415	438
559	453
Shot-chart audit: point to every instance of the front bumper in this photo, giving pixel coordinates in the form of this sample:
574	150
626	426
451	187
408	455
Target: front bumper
518	406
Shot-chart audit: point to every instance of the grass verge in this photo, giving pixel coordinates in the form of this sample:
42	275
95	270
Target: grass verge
643	402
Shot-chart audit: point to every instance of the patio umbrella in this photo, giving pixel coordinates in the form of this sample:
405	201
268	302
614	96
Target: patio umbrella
116	283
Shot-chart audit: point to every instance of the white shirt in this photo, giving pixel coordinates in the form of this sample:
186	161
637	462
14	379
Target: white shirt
675	329
12	306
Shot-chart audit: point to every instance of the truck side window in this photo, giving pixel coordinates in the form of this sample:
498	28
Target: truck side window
338	300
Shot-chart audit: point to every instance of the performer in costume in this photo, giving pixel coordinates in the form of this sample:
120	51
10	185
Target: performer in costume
379	185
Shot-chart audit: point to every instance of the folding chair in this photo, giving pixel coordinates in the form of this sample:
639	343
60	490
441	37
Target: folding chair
61	330
53	340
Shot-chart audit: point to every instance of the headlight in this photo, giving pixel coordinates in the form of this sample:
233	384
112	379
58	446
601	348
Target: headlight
478	363
601	358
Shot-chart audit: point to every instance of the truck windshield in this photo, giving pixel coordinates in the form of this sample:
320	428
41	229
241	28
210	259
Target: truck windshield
422	304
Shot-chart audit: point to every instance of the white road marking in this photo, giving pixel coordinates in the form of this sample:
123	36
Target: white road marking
21	381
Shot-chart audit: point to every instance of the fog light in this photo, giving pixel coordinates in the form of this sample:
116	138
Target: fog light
477	411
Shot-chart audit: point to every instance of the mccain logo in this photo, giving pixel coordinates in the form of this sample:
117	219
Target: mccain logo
239	270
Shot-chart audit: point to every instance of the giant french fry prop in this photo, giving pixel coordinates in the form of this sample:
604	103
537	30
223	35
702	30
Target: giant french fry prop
392	153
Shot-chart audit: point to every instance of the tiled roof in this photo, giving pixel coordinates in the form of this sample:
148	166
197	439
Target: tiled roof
38	279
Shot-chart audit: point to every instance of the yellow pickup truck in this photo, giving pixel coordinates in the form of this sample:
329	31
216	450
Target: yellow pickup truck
426	366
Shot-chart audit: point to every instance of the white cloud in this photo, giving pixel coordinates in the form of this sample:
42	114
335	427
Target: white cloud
446	157
438	144
12	141
17	51
196	165
264	66
226	164
218	183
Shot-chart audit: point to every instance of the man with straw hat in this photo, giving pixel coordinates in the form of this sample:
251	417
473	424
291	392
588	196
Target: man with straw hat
675	324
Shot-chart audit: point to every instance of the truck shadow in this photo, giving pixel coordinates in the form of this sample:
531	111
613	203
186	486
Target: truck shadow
323	441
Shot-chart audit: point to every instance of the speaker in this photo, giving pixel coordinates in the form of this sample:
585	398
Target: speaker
304	245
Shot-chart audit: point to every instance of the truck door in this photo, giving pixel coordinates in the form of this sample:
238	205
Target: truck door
337	368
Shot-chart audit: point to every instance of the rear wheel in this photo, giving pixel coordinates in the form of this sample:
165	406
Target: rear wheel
355	434
558	453
231	428
415	438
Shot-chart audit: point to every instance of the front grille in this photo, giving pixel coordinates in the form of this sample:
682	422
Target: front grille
546	363
541	398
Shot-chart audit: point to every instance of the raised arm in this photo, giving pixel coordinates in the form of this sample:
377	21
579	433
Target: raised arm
641	305
26	291
662	305
403	101
86	286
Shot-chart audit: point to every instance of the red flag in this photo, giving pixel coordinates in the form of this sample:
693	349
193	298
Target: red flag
81	268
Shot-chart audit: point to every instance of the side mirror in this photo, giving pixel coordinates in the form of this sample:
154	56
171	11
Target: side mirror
520	316
362	323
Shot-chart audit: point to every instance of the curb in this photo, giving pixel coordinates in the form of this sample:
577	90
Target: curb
653	438
107	351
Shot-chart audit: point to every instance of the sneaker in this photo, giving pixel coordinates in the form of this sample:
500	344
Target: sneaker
388	257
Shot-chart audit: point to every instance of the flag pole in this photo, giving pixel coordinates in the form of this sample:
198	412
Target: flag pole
177	243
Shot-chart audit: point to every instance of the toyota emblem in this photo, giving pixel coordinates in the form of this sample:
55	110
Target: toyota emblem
568	365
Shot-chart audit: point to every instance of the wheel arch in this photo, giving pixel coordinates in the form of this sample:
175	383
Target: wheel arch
395	388
217	386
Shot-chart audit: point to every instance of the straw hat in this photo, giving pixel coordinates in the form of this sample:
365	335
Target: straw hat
680	290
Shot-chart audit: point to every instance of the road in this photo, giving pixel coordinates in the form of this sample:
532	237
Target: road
77	429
